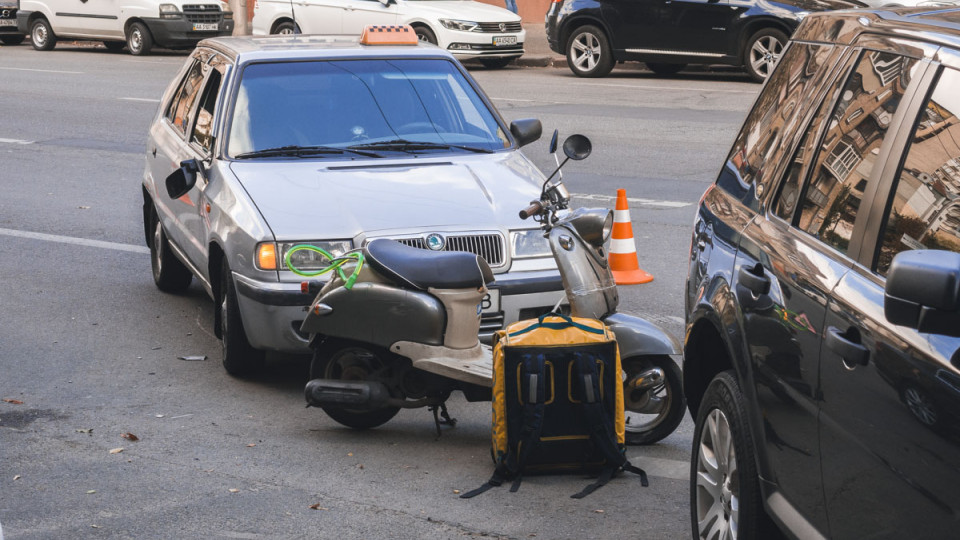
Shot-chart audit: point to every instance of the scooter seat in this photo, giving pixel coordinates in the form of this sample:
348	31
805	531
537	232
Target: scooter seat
422	269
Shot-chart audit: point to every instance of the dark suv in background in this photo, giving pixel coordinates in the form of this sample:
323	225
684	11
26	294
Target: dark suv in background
668	35
9	35
822	349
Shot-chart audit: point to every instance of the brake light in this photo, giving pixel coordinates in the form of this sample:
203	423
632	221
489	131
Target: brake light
399	34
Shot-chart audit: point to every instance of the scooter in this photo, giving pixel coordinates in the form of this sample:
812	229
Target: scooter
402	330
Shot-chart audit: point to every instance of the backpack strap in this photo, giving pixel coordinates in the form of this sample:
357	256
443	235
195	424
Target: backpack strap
495	481
533	389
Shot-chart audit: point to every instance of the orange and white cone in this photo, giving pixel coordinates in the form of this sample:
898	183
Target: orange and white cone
623	252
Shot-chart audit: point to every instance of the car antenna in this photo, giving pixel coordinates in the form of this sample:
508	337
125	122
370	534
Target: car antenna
293	14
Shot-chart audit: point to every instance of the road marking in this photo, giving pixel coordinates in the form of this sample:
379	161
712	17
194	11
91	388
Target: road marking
15	141
43	70
74	240
532	101
632	200
686	88
147	100
663	468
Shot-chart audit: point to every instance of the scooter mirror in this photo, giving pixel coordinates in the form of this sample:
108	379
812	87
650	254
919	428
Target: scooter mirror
553	141
577	147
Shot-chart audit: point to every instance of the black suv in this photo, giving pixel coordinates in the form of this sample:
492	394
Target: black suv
822	349
669	34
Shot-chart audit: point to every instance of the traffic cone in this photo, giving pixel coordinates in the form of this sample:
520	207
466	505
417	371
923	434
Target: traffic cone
623	252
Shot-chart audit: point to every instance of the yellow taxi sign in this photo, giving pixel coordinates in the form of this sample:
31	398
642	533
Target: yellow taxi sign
393	34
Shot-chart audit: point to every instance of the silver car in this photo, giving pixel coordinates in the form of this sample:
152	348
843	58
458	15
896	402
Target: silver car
261	144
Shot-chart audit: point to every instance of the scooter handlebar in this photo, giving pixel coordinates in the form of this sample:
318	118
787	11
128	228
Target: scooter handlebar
535	208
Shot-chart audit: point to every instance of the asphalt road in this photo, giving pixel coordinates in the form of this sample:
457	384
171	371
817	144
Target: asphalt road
90	347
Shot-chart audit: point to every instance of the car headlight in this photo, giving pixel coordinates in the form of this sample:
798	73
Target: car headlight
271	256
453	24
169	11
529	244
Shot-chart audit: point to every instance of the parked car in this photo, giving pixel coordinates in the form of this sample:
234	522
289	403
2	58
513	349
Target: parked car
596	34
910	3
136	24
331	142
9	35
469	30
822	350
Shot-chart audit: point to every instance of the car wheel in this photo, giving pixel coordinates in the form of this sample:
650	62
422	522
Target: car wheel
114	46
724	487
240	359
286	28
665	69
654	413
588	52
425	34
763	52
13	40
921	406
139	40
346	361
42	36
495	63
169	273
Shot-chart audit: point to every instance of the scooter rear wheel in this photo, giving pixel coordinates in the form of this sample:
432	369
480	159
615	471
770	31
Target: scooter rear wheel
349	361
654	413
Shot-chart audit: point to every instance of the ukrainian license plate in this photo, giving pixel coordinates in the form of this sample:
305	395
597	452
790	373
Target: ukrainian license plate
502	41
8	22
205	27
491	302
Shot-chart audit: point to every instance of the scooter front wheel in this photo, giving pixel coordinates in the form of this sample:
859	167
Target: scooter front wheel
652	410
349	361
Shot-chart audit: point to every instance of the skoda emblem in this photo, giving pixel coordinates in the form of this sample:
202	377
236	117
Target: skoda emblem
435	242
503	27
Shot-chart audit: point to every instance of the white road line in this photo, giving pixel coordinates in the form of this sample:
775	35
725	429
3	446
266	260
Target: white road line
662	468
146	100
686	88
42	70
75	241
632	200
15	141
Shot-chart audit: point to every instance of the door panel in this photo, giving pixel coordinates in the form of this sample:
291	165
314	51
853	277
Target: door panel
361	13
634	23
698	25
320	16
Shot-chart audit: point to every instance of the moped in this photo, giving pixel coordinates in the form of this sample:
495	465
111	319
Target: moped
402	331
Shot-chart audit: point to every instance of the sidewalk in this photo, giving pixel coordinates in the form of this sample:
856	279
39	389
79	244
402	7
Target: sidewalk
537	52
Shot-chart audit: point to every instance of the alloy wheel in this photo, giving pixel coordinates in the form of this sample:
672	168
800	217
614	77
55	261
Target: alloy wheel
718	480
765	54
921	406
586	51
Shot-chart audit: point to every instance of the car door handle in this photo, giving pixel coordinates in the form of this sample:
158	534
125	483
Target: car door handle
847	345
754	279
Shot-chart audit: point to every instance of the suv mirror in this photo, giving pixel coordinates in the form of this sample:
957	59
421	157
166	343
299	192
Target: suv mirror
526	130
923	291
182	180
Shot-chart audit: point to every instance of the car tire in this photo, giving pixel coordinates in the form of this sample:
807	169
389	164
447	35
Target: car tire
114	46
240	359
42	36
762	53
425	34
589	53
286	28
139	39
923	408
665	69
662	408
12	40
169	273
495	63
349	361
725	498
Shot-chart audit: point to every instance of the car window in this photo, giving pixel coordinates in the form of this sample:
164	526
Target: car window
850	147
924	212
178	112
203	127
355	102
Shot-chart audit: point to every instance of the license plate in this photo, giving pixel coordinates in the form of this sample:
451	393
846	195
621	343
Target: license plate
501	41
8	22
202	27
491	302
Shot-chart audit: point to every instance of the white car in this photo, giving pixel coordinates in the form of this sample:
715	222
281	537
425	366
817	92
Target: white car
465	28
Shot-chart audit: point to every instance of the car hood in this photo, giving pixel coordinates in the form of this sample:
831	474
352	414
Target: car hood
317	200
457	9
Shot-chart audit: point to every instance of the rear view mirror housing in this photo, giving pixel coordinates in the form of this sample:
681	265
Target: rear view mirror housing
923	291
182	180
526	130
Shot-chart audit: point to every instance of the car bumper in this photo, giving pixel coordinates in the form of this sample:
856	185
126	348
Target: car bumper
272	312
177	33
464	45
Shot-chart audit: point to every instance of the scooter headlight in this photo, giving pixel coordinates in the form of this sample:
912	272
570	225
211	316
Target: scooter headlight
529	244
593	225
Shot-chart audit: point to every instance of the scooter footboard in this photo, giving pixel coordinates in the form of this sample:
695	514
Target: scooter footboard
640	337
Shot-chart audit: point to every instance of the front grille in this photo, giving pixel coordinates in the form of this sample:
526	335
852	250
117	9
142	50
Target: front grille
488	246
494	28
491	322
8	13
202	13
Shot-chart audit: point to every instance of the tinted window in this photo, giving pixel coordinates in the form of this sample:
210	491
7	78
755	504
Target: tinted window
851	145
178	113
925	210
203	128
344	103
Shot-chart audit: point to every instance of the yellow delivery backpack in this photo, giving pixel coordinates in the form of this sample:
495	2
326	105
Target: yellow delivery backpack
557	402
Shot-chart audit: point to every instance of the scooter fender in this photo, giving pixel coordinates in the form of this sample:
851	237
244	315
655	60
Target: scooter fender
640	337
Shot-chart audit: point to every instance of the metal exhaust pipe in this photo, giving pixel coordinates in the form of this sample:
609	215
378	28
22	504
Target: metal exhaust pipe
647	379
369	395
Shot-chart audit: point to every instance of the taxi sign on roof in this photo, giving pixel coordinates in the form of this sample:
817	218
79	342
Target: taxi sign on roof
394	34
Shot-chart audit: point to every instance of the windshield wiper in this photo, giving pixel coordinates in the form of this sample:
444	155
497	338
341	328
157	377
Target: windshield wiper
303	151
404	145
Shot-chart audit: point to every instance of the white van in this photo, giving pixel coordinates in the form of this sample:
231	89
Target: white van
136	24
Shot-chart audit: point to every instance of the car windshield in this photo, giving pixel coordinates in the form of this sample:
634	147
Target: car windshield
366	107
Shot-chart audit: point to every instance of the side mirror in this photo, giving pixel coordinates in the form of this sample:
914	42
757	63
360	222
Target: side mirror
182	180
526	130
577	147
923	291
553	141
